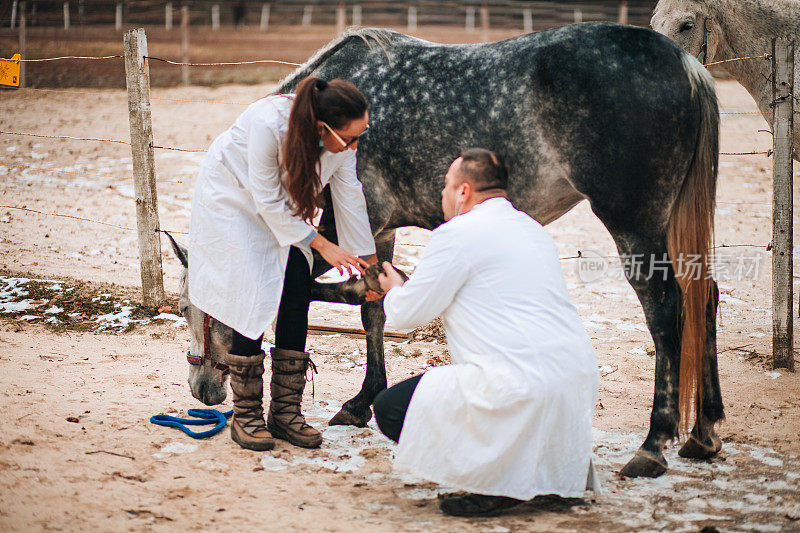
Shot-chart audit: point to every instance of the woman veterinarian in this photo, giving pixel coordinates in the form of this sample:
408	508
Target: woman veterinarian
251	237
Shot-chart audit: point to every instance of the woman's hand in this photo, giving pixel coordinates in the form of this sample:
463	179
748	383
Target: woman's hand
337	257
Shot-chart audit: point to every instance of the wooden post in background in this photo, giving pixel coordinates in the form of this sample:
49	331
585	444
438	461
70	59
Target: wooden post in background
215	17
264	17
577	16
622	16
13	14
307	12
527	20
168	16
356	15
484	22
118	18
66	16
185	44
341	18
469	21
137	77
412	18
782	207
23	23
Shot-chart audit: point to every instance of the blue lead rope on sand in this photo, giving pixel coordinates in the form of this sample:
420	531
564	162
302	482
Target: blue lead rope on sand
205	416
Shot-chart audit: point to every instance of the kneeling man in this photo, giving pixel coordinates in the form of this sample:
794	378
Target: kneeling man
511	418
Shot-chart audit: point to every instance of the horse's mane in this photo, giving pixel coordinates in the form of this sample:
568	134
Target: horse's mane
371	36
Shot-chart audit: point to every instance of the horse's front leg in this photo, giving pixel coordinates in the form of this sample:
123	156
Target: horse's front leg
357	411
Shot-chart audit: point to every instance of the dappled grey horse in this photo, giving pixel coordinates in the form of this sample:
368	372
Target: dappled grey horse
614	114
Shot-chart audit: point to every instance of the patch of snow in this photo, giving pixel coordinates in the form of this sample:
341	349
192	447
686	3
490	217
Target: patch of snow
174	448
273	464
54	310
178	320
631	327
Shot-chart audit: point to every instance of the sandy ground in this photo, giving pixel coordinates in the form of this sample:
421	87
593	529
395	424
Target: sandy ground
109	469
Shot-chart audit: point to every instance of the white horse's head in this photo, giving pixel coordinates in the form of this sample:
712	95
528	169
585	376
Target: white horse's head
207	381
690	24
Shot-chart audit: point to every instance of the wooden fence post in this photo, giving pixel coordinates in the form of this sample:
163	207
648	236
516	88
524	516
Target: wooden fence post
215	17
356	15
527	20
13	14
23	23
469	21
137	77
185	44
577	16
622	15
118	17
66	16
782	207
341	18
412	18
264	17
484	22
307	12
168	16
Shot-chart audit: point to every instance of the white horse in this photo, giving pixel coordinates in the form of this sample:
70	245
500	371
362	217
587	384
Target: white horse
716	30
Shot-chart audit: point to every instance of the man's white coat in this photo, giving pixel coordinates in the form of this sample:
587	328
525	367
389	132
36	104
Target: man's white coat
512	416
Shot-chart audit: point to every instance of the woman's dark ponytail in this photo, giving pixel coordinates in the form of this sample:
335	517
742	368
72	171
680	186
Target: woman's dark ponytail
336	103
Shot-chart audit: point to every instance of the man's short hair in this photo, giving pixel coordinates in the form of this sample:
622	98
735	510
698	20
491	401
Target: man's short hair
484	169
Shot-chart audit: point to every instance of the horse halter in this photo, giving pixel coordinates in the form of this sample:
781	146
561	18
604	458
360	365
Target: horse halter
205	359
703	55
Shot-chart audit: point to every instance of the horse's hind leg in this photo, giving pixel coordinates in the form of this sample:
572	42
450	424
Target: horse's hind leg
703	441
356	411
651	276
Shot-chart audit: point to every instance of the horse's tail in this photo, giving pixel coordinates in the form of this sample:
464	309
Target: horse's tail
370	36
690	238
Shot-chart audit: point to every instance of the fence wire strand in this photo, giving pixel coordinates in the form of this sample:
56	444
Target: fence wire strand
10	165
82	219
26	134
224	63
765	57
59	58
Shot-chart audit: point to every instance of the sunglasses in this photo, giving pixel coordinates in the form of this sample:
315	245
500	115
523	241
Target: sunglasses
346	145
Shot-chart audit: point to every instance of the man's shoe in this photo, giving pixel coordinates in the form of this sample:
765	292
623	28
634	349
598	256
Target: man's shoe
476	505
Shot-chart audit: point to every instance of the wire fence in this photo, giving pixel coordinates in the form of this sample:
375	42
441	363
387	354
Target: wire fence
579	254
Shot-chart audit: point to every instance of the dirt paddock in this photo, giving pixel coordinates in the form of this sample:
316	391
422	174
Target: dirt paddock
77	451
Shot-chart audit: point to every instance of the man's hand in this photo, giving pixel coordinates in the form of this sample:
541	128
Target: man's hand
390	278
371	295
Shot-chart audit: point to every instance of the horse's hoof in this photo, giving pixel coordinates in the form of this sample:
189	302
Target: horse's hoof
696	449
346	418
644	464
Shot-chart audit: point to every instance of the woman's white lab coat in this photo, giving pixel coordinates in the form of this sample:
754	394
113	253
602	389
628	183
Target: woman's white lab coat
242	223
512	416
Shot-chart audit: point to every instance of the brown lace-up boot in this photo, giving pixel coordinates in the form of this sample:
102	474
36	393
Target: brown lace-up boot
285	421
248	429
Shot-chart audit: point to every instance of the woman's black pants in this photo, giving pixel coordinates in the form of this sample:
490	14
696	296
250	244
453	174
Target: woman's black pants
291	326
390	407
